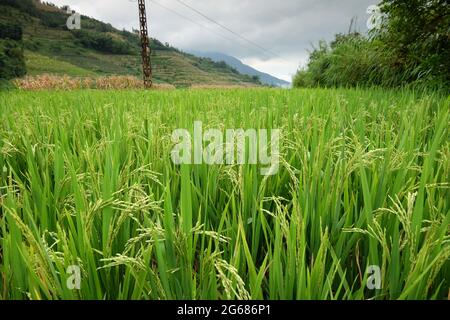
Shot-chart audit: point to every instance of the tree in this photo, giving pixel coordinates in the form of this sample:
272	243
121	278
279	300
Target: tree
102	42
412	46
419	32
27	6
10	31
12	61
256	79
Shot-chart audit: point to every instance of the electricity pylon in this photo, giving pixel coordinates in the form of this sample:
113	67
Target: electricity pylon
145	43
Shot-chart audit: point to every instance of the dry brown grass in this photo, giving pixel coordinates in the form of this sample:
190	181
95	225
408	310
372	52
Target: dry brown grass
222	86
52	82
55	82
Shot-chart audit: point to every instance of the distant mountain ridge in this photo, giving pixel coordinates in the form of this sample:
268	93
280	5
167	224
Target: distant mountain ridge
237	64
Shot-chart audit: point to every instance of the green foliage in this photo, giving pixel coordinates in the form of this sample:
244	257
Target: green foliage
155	44
419	33
92	24
11	31
256	79
6	85
12	61
39	64
349	61
23	5
412	47
86	179
102	42
55	20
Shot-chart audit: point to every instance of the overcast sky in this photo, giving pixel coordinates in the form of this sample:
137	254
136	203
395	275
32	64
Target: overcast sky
287	28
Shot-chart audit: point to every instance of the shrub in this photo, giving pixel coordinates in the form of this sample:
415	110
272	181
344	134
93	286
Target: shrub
12	61
23	5
418	32
53	19
6	85
102	42
10	31
412	47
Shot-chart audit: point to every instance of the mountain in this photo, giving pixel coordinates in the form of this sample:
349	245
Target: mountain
235	63
99	49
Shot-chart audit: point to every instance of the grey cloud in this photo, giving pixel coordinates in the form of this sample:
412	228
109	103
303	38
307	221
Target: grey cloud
286	27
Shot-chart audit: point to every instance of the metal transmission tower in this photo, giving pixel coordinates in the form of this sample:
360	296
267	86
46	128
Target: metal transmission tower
145	43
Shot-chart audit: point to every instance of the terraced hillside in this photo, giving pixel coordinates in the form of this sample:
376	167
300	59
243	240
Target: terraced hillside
51	48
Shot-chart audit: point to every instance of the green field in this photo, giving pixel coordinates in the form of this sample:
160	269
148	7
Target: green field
87	180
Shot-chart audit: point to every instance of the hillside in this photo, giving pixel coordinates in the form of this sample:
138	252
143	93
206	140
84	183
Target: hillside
100	49
237	64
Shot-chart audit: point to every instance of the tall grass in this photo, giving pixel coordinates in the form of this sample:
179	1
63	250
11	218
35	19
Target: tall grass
353	60
86	179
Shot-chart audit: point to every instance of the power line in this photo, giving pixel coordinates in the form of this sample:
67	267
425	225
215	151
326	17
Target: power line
202	26
255	47
228	29
192	21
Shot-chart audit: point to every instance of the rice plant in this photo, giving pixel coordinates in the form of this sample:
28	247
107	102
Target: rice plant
87	181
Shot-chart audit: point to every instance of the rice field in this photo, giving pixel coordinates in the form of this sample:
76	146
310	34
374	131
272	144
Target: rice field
87	182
